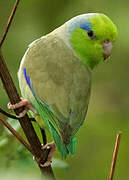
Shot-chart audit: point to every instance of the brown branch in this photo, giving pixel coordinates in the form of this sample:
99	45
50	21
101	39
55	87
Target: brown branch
39	154
114	158
16	134
9	22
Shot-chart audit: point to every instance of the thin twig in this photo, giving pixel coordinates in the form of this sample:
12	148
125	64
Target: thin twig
8	115
9	22
16	134
13	116
114	158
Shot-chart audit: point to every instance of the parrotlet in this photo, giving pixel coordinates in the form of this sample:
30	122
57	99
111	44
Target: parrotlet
55	74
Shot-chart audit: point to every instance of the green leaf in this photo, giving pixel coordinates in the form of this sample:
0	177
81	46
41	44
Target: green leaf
14	123
3	142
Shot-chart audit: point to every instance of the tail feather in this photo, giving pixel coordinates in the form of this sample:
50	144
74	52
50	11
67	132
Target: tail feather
64	149
72	145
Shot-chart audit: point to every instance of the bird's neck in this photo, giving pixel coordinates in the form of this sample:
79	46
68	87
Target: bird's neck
85	60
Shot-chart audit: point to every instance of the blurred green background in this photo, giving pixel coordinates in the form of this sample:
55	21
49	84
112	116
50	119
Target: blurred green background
108	110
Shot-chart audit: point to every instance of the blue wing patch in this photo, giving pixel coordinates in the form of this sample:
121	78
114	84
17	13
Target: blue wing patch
28	80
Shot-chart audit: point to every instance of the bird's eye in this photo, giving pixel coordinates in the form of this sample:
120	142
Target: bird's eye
91	34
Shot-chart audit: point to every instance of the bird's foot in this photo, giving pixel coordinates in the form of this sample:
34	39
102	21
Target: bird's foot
52	148
23	103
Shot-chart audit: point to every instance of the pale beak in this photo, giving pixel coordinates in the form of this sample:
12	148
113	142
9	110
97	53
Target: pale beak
107	47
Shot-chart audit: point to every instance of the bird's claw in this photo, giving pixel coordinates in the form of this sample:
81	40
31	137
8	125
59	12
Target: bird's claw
46	164
23	103
52	148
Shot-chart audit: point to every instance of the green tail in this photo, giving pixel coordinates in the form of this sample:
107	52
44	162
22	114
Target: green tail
63	148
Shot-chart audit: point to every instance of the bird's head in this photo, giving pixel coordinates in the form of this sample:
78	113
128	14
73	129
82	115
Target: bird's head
92	37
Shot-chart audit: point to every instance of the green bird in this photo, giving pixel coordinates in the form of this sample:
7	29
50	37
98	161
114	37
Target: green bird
55	75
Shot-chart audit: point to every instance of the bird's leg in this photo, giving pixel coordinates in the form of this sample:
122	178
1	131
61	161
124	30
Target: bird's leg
44	137
52	148
23	102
